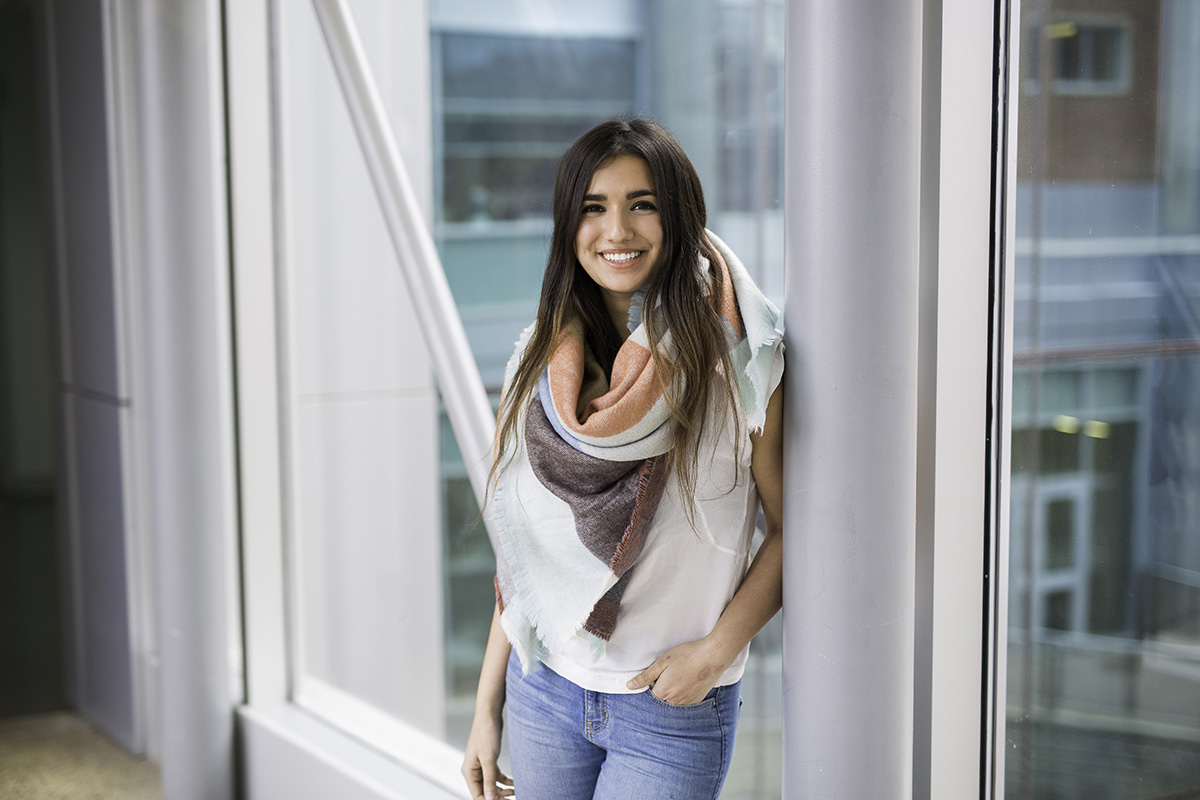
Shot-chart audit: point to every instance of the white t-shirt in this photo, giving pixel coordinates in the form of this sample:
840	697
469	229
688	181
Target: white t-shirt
684	576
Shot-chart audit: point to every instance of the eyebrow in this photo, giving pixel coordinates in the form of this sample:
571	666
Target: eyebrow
635	193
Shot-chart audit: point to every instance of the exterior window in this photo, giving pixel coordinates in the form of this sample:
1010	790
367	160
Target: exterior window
1076	558
1087	55
510	106
359	412
1104	586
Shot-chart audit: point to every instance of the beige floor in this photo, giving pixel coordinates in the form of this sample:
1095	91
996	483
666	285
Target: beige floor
61	757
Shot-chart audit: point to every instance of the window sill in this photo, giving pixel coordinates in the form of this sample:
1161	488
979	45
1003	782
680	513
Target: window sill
287	753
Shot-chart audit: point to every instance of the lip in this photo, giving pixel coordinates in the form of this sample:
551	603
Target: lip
623	264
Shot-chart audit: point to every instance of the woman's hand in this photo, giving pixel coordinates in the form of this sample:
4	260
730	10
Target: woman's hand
484	778
686	673
480	767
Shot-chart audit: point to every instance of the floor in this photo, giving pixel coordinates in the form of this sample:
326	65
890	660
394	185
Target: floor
59	756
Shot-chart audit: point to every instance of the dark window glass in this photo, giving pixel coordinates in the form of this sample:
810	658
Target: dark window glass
1058	451
1060	545
1058	611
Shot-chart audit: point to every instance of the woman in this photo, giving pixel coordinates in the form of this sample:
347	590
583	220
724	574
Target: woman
638	431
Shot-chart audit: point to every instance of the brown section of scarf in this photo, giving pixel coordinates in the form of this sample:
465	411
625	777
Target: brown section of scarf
613	503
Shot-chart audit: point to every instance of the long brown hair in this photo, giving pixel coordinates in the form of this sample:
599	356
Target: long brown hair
684	301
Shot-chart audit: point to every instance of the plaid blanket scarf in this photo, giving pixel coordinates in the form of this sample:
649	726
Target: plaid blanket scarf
570	512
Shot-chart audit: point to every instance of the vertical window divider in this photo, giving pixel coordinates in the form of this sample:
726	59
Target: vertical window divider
253	254
994	673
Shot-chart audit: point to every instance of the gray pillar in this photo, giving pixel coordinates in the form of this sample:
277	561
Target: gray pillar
853	191
95	393
170	108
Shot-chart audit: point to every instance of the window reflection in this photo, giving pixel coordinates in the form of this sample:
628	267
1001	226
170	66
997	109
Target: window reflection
1104	640
510	106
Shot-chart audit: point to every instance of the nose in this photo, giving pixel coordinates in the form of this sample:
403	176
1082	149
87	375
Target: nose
617	228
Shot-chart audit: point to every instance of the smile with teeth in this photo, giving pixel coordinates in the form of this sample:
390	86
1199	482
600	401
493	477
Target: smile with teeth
621	258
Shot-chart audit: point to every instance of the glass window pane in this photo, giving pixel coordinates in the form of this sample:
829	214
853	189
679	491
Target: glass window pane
1058	450
359	408
1115	388
1060	550
1110	609
1060	392
1020	398
373	469
1058	611
513	86
1104	636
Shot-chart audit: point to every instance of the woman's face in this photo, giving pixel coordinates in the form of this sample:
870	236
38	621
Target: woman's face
620	234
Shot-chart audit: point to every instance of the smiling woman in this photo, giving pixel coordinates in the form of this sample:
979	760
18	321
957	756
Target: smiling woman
640	428
619	240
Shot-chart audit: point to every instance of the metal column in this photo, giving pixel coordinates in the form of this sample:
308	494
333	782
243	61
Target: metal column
854	73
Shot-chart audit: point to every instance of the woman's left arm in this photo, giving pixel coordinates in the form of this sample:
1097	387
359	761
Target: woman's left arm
685	673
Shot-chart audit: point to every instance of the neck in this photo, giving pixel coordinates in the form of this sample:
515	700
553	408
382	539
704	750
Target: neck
618	312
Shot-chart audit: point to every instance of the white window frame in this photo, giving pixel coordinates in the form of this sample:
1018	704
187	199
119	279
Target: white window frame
955	164
975	207
324	743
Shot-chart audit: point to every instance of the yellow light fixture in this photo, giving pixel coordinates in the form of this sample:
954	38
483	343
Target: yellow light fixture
1065	424
1061	30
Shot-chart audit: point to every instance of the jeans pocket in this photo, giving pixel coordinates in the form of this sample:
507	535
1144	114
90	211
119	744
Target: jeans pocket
709	701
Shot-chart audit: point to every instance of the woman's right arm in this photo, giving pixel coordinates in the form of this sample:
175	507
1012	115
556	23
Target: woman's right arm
483	744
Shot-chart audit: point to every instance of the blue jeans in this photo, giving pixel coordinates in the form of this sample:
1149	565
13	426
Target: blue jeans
568	743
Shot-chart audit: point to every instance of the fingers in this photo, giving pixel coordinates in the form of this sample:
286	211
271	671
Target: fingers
474	776
480	768
647	676
490	781
490	773
495	783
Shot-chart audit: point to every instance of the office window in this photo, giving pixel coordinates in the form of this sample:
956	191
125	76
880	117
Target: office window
511	91
1104	585
1087	55
1071	547
359	412
510	106
390	571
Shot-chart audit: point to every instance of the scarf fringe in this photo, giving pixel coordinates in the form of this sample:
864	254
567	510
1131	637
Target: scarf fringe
764	337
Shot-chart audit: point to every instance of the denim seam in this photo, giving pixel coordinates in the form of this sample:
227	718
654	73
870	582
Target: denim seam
721	728
591	728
